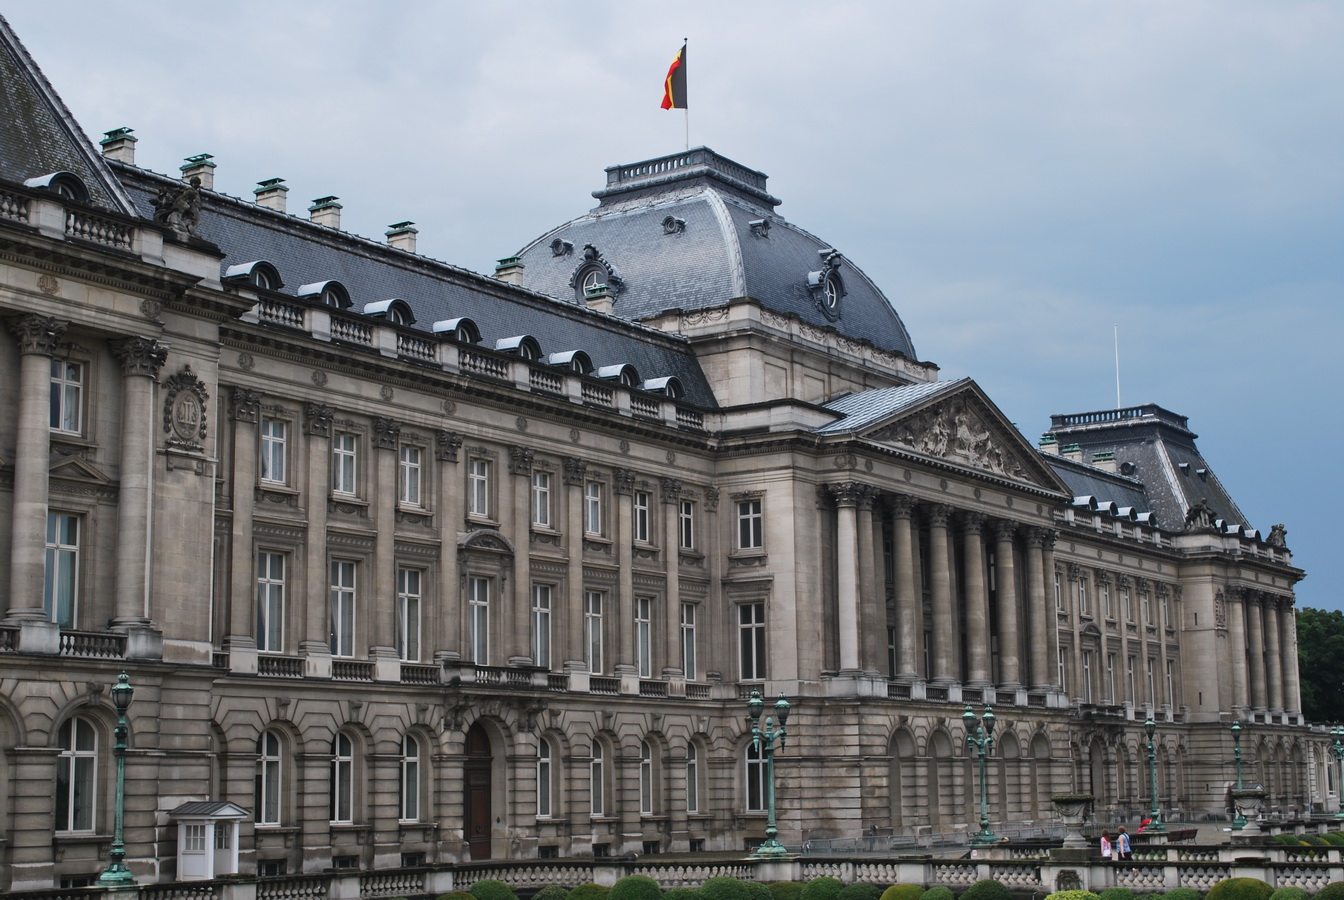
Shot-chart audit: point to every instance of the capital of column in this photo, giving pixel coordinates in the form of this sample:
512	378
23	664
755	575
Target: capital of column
37	334
317	419
1005	530
937	514
1035	537
971	522
902	506
624	480
447	443
576	470
244	404
386	432
850	493
670	489
520	461
139	355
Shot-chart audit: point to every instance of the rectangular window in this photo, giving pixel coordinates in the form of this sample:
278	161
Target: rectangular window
1146	604
750	527
1059	592
756	783
409	475
342	625
592	507
478	619
270	602
692	779
541	499
67	396
274	440
344	463
642	534
193	838
408	613
410	780
891	652
478	487
1171	684
1110	679
1130	664
688	665
686	524
541	625
544	788
61	581
1125	612
644	636
1087	676
1152	682
1106	601
1082	596
1060	670
592	631
751	640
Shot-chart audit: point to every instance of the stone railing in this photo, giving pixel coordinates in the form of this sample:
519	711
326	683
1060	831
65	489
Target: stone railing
13	206
280	666
351	670
99	229
96	644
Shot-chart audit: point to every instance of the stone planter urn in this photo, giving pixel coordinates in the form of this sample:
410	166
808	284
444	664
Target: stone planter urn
1073	809
1248	801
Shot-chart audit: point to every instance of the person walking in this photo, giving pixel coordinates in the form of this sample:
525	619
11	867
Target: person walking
1106	846
1122	850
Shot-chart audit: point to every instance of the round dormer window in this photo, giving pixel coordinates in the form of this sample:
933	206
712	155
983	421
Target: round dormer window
262	279
832	291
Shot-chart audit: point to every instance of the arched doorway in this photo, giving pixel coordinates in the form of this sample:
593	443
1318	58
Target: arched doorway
476	783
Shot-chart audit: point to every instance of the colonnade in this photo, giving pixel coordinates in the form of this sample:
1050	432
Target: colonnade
1262	633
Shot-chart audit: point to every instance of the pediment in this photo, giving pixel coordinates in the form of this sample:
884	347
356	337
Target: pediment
75	468
484	539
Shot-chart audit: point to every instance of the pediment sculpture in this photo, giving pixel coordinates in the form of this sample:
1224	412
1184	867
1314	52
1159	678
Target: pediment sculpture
955	431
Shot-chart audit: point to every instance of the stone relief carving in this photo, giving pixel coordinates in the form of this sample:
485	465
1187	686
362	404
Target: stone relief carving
953	430
447	444
179	207
1278	536
184	411
245	404
317	419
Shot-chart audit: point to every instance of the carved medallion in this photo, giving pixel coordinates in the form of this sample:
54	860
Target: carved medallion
184	410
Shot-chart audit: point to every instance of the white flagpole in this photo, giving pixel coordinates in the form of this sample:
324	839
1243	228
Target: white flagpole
1117	365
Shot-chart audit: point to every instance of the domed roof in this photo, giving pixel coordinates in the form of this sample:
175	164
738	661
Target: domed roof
694	230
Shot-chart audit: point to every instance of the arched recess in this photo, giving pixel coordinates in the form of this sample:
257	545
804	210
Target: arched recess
1123	793
1041	789
944	807
902	780
1097	784
478	791
1009	763
11	736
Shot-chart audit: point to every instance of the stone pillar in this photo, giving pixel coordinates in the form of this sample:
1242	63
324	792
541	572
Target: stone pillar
872	594
443	608
382	643
847	573
1005	593
977	600
671	499
516	600
940	585
907	600
1040	611
245	407
313	643
1273	658
140	360
1292	684
37	337
623	486
1229	606
1255	650
575	472
1051	613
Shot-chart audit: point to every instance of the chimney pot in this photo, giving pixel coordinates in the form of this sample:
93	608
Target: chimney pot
510	270
599	298
325	211
271	193
200	166
119	144
402	236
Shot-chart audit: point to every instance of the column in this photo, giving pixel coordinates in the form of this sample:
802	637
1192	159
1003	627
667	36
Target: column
940	585
516	597
1273	659
140	360
1232	608
1292	685
444	604
1005	593
37	337
245	406
575	472
872	595
907	600
847	573
313	644
1040	611
1255	649
623	486
1051	614
977	600
671	538
386	441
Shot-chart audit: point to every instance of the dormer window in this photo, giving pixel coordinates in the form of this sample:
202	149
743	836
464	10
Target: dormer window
396	311
521	345
592	272
66	185
461	330
826	284
668	386
327	293
625	373
258	274
574	360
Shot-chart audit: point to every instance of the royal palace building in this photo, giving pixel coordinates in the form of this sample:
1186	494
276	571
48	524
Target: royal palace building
410	565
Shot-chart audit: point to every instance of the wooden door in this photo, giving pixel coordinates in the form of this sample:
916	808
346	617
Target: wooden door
476	778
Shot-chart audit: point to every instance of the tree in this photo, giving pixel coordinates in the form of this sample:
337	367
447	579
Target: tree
1320	654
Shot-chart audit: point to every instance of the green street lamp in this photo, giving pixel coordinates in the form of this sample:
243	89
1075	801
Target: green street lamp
1337	747
764	742
1156	817
980	735
116	874
1239	821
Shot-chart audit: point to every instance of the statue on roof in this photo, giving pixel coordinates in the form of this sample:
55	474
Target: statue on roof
1199	517
1278	536
180	208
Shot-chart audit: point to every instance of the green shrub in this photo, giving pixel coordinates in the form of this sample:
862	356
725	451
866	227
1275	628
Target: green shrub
635	887
987	889
1239	889
1072	895
903	892
724	889
456	895
1289	893
787	890
1286	840
552	892
1332	891
1314	840
588	891
823	888
860	890
938	892
681	893
1116	893
1183	894
491	889
757	891
1336	838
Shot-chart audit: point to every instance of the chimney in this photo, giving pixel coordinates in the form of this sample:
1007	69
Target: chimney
1049	444
599	297
119	144
402	236
1073	452
200	166
510	270
325	211
1104	459
271	193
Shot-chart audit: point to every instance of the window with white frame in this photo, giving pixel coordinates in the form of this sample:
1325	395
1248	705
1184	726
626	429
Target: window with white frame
644	636
270	601
269	777
1125	612
1082	597
541	625
751	640
1059	591
592	507
755	780
545	779
67	396
597	781
1106	601
686	524
1110	679
641	523
341	789
688	662
274	450
341	626
750	525
592	631
1171	683
478	487
60	586
478	619
1087	676
409	780
1149	667
344	463
1130	664
1059	663
646	804
409	607
1166	611
692	779
1146	604
541	499
408	475
77	776
193	837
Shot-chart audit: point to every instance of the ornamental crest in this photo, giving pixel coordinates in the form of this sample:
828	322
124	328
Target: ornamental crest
184	410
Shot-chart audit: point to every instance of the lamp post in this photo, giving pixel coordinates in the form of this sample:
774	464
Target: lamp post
1337	747
116	874
764	742
1238	821
980	735
1156	824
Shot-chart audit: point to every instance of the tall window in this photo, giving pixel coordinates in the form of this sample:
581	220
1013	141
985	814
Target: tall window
592	631
1082	596
409	475
1125	612
592	507
342	625
596	782
1171	684
645	778
642	534
1106	601
408	614
751	640
342	783
274	442
67	396
756	786
478	487
750	525
544	778
1130	664
270	601
541	499
409	782
268	782
692	779
76	776
478	619
1059	664
686	524
1151	664
688	666
1110	679
541	625
60	583
644	636
1059	592
1087	676
1146	603
344	463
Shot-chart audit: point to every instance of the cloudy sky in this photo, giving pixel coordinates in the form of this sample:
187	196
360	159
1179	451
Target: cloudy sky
1019	177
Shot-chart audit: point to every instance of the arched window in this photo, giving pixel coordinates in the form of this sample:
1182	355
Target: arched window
756	786
590	279
342	789
76	776
410	780
692	779
597	782
268	782
545	778
646	804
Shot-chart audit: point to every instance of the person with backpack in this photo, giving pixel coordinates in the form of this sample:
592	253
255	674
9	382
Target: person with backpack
1122	850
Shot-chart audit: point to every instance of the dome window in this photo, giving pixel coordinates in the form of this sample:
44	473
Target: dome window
460	330
827	287
66	185
522	345
327	293
395	310
592	272
258	274
574	360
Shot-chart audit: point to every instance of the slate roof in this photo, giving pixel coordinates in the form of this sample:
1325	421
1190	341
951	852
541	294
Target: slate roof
715	257
305	253
867	408
1107	487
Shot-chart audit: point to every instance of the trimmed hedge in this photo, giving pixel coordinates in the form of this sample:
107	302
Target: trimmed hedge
552	892
1289	893
1240	889
1182	894
787	890
758	891
823	888
987	889
859	890
1117	893
1332	891
679	893
456	895
938	892
589	891
1072	895
635	887
491	889
724	889
903	892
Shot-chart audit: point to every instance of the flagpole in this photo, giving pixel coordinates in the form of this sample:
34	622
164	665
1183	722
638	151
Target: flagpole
686	42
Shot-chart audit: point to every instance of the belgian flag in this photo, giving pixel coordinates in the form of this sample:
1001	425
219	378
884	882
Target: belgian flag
674	85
